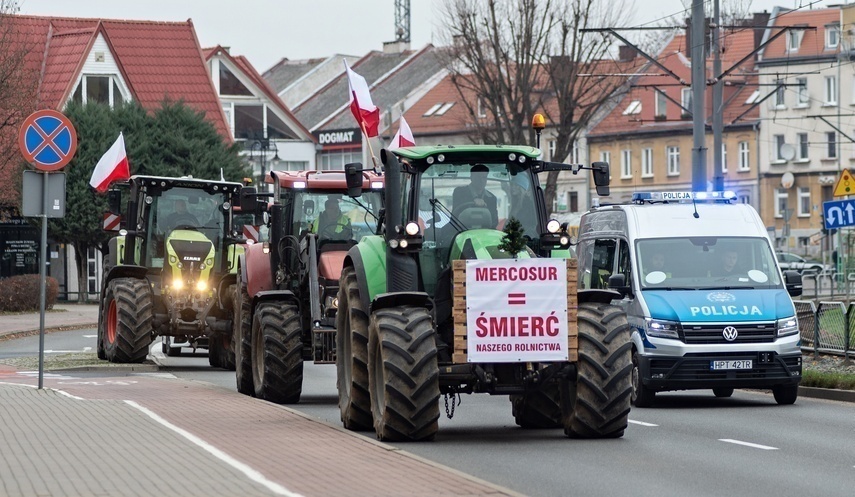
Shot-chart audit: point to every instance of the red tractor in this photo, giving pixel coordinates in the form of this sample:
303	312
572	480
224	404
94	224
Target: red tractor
288	284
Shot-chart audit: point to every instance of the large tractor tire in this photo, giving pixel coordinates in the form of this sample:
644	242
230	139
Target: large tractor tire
128	333
539	409
215	351
351	324
277	353
597	404
242	323
642	396
403	374
102	326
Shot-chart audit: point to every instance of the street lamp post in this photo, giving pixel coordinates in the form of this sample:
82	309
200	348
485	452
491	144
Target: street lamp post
262	147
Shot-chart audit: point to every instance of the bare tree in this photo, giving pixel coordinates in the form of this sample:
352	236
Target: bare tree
18	84
511	58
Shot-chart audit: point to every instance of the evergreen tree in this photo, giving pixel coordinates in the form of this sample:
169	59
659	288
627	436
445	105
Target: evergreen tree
172	141
513	242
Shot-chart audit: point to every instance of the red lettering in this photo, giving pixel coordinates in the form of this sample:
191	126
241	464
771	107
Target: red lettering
552	325
537	326
503	274
481	274
498	327
553	273
481	326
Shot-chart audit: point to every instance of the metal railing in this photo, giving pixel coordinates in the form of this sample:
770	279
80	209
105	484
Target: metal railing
827	327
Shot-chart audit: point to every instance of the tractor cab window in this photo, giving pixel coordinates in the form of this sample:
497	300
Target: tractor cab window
179	211
452	198
334	216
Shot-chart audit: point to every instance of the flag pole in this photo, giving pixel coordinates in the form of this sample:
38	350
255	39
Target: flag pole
368	139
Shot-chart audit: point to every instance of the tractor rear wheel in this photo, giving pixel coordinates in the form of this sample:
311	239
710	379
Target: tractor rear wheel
102	326
538	409
351	324
597	404
403	374
242	323
277	353
127	331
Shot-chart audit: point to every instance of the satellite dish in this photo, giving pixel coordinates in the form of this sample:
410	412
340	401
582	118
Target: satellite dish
787	151
787	180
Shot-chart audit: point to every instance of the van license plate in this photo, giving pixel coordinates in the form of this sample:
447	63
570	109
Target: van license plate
738	364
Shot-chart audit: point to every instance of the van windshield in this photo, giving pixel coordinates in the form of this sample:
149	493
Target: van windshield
705	263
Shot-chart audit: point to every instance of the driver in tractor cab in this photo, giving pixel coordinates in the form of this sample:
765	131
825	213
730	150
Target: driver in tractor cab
475	194
180	216
331	223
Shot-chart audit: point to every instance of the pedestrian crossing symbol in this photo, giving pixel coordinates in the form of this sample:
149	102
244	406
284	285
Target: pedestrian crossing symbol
845	185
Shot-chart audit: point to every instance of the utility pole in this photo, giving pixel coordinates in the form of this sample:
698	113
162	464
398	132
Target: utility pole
718	118
699	150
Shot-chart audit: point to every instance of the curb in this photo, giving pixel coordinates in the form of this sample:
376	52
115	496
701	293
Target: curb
132	368
26	333
827	394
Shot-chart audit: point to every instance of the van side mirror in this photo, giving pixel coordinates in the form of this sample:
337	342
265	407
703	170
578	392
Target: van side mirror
114	202
353	176
600	171
793	282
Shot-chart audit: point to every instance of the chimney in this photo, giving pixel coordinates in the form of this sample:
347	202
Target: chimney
626	53
395	46
760	19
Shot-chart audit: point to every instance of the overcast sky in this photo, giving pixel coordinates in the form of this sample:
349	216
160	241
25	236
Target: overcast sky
267	30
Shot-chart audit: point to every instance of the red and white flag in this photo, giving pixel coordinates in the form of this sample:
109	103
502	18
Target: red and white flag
404	136
113	166
366	113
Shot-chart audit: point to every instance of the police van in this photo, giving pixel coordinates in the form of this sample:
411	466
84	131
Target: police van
708	305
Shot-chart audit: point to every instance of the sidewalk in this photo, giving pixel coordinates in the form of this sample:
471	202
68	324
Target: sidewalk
63	316
154	434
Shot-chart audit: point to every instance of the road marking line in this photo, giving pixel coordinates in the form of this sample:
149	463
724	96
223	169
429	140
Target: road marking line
67	351
641	423
90	336
250	473
747	444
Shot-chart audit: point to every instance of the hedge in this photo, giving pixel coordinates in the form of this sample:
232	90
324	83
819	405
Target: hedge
21	293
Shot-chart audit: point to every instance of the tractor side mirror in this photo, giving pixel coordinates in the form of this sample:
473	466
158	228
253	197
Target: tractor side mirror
601	177
353	176
249	199
617	282
114	202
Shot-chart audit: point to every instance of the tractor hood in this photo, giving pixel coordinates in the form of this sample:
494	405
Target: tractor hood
189	253
481	244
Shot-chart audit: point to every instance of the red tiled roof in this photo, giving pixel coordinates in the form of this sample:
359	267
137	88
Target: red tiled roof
157	60
455	120
739	85
813	40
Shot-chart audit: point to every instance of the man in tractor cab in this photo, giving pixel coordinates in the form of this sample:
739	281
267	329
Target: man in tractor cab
180	216
475	194
331	224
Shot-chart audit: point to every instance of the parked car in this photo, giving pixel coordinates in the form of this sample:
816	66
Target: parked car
787	260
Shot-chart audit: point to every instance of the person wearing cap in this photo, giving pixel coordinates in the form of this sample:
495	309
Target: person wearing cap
475	194
331	223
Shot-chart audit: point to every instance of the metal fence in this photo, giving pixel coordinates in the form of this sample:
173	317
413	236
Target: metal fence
826	327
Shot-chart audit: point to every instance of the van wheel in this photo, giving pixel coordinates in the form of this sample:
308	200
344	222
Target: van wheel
641	395
722	393
785	394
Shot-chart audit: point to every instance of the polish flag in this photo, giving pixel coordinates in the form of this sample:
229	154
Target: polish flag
113	166
366	113
404	136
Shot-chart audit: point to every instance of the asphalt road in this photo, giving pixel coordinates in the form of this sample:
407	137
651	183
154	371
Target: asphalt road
691	443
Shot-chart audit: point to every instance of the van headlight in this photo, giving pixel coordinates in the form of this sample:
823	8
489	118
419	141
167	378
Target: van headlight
660	328
788	326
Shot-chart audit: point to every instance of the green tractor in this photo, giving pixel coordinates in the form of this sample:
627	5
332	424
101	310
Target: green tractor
171	270
409	317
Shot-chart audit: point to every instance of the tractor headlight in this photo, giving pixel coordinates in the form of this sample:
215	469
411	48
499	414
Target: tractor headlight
177	284
553	226
201	285
403	244
788	326
393	243
564	240
202	266
660	328
180	265
412	229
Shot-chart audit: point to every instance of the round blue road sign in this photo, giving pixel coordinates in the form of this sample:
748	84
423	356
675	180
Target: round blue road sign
47	140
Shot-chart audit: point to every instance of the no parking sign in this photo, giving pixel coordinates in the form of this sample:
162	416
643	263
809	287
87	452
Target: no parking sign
47	140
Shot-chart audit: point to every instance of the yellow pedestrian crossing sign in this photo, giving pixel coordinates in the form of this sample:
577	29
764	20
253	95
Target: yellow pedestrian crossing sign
845	185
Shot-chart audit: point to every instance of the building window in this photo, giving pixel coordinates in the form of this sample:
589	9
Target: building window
550	145
626	163
723	158
743	198
606	156
673	154
335	160
482	108
831	150
249	121
803	146
803	97
830	90
779	145
647	163
634	107
794	39
92	271
574	153
832	36
230	85
98	89
744	157
661	104
779	93
292	165
686	100
752	98
804	202
574	201
780	202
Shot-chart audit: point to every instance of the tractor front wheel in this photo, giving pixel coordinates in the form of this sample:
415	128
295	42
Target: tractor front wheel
127	323
242	323
351	358
403	374
277	353
597	404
